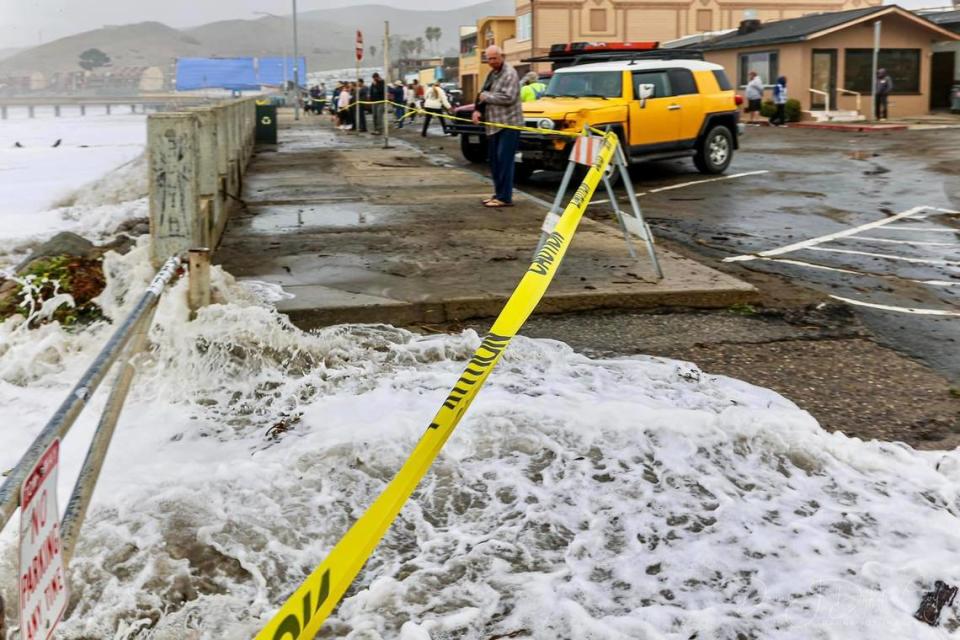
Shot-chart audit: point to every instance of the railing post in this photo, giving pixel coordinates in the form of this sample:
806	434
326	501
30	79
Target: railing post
208	178
173	184
199	286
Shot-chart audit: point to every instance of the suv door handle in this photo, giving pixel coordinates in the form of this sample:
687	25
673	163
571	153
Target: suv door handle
673	107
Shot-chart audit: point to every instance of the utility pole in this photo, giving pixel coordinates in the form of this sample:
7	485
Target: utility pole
296	67
386	83
876	64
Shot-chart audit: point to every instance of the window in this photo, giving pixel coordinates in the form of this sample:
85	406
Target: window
598	19
659	79
682	82
903	65
704	20
524	27
722	80
764	63
606	84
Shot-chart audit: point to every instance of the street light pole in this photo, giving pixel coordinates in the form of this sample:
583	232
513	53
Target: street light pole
296	67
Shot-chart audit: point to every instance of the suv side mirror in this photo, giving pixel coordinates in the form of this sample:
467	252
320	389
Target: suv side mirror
645	91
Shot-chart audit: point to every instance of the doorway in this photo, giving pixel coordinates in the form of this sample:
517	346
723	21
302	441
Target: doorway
824	78
941	79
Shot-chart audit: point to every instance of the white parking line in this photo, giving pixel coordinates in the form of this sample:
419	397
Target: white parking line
696	182
919	243
805	244
886	307
941	263
906	227
814	265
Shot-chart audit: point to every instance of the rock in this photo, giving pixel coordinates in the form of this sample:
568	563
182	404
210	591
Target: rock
122	244
64	243
135	227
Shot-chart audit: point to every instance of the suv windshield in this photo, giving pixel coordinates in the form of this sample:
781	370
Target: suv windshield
604	84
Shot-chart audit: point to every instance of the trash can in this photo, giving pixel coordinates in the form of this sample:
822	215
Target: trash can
955	98
266	132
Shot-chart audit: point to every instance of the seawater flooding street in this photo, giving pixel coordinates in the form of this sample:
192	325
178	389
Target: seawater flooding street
263	375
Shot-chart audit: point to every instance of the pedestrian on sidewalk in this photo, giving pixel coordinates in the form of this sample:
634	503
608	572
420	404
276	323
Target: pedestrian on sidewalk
410	100
499	103
884	89
435	102
344	112
780	100
378	93
754	96
396	97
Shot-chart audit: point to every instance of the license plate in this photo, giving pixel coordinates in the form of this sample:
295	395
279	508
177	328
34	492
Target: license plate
473	139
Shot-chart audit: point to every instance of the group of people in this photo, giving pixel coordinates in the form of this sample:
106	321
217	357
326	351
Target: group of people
406	102
755	89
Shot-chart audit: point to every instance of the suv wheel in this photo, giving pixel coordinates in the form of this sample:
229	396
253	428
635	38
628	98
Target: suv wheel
715	151
475	152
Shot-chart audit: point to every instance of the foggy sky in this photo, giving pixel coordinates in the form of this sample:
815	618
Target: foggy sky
29	22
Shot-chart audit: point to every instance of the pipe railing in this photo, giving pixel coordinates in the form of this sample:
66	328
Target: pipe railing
129	339
850	92
63	419
826	99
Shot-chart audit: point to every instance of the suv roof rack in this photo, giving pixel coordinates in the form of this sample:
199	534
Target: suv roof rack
569	58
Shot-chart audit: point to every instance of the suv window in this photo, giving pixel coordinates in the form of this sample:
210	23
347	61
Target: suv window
682	82
659	79
605	84
722	80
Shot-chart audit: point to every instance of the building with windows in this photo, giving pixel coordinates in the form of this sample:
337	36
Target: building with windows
542	23
828	58
473	42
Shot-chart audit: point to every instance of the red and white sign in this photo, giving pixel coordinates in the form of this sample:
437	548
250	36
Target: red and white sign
586	149
359	45
43	580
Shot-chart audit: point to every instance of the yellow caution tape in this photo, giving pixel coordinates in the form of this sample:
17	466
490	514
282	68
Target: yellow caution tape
447	116
306	609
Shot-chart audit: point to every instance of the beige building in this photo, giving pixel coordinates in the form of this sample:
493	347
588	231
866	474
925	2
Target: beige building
542	23
828	58
473	42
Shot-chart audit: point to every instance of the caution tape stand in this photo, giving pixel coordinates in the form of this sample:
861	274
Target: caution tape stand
584	152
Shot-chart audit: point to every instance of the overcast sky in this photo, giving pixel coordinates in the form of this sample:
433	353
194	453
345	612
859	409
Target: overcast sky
28	22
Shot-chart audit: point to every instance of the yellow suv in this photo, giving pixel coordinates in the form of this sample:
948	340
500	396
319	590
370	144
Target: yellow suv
659	108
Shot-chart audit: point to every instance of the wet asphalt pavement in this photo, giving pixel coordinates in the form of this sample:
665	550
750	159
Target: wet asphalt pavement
821	183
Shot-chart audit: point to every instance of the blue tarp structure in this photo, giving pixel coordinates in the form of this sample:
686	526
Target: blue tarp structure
276	70
236	74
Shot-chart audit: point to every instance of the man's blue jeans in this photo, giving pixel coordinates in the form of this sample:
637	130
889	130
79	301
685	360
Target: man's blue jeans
502	151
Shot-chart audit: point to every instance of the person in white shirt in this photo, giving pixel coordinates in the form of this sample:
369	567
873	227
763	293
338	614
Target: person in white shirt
754	96
343	108
435	102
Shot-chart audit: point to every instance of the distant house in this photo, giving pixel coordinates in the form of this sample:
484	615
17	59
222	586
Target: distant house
828	57
944	70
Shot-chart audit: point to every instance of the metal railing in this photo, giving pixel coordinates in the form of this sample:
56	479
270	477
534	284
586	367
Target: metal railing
129	339
852	93
826	99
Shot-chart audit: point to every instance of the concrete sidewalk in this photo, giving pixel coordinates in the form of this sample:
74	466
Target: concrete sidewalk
358	233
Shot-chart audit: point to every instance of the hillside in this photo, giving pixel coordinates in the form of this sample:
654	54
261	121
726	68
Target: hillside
326	38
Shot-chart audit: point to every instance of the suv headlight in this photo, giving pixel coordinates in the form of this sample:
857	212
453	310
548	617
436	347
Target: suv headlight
545	123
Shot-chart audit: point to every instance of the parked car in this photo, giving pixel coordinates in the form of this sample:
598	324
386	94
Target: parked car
660	109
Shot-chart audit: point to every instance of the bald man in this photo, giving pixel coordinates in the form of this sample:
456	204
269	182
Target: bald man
499	103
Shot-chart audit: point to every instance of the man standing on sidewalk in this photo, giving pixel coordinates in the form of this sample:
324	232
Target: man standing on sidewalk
884	89
377	94
499	103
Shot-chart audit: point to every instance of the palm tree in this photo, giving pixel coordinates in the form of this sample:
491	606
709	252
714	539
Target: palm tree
418	45
373	50
437	34
433	35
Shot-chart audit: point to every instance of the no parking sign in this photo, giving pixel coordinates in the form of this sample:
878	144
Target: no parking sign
43	580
